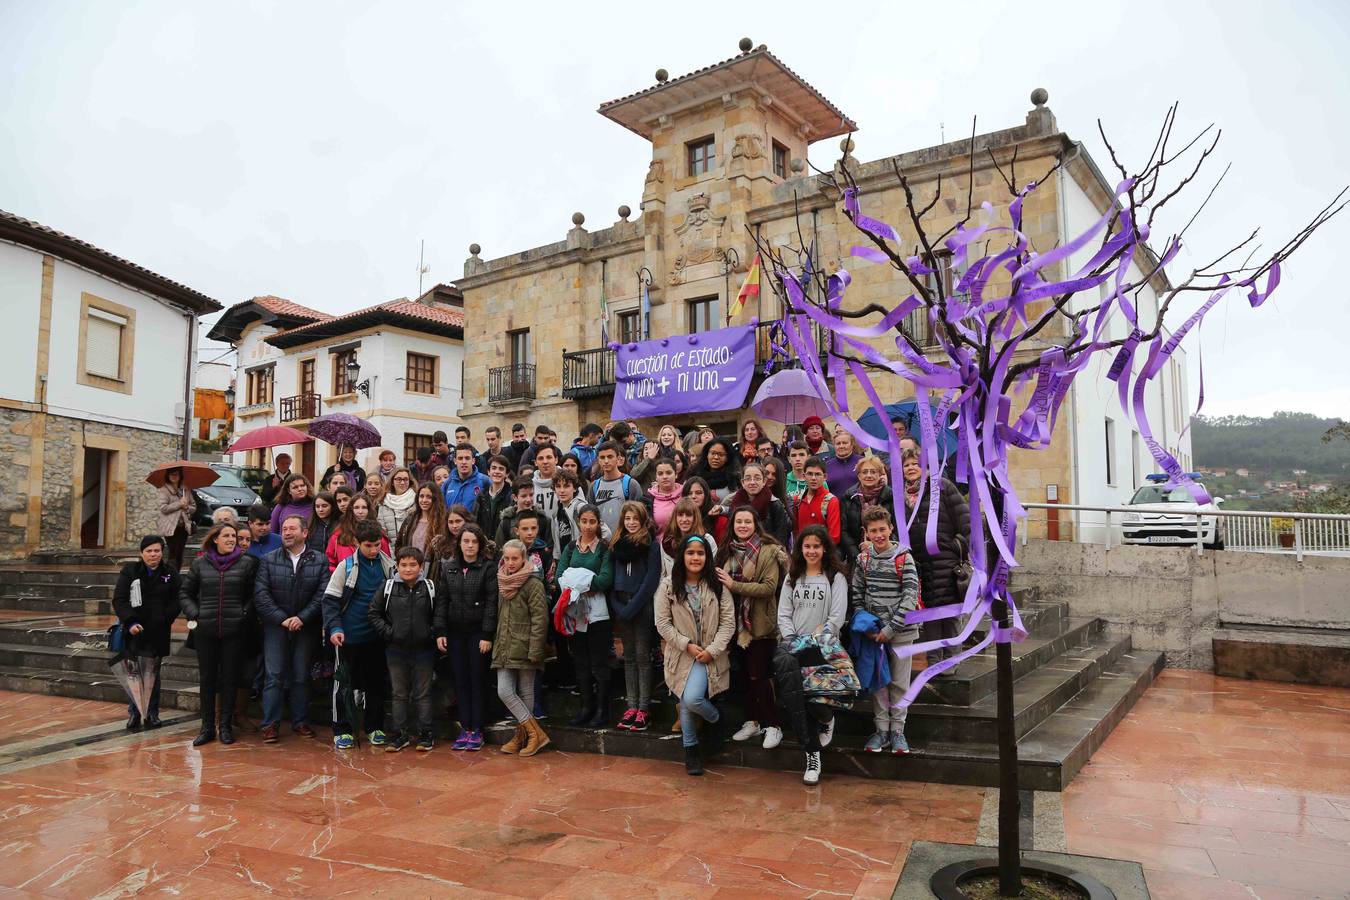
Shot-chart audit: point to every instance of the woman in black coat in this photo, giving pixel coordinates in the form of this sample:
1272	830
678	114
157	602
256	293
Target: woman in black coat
216	595
937	571
871	490
146	603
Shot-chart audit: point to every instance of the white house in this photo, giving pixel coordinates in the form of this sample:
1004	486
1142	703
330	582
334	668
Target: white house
293	365
95	389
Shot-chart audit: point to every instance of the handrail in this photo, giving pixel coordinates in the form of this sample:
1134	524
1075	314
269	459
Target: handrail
1298	518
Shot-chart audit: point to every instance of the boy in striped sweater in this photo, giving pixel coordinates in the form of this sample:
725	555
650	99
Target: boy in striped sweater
886	584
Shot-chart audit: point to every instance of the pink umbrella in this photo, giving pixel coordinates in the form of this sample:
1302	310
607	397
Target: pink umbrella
270	436
789	397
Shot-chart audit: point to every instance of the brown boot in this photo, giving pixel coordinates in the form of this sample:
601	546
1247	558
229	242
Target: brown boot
517	741
538	740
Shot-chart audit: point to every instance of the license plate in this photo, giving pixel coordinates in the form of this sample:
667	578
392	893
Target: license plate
1164	539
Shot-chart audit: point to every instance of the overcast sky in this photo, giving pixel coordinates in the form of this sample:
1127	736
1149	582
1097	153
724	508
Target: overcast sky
304	149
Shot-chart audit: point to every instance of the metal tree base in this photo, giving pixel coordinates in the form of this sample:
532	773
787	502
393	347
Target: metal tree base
946	882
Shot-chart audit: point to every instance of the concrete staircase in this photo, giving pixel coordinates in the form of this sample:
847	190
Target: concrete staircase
1073	685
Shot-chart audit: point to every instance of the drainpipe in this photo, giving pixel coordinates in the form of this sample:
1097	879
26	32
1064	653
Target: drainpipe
1074	473
187	383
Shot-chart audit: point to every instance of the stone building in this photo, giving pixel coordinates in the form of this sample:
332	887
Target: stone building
293	365
95	388
727	148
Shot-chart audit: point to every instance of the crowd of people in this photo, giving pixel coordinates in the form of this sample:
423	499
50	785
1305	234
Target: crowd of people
705	556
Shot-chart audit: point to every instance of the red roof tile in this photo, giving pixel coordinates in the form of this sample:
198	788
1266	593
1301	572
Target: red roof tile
439	319
283	307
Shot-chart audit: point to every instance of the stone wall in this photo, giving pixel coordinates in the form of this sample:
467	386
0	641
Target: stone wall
1171	600
132	508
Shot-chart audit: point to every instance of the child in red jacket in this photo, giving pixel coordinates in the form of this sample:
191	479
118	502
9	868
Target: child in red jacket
816	506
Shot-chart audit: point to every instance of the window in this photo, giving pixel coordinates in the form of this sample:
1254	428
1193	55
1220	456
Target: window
341	384
702	155
306	377
630	326
942	275
703	314
1134	460
107	338
1110	452
411	444
258	385
780	160
421	373
518	347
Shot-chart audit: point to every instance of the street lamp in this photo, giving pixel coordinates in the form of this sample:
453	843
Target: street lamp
353	373
229	396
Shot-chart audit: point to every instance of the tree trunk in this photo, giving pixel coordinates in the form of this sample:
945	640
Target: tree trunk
1009	796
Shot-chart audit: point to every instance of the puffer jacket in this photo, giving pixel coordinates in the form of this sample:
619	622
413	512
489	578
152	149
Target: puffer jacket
158	609
851	538
675	624
282	592
218	601
522	628
637	574
403	615
937	571
757	599
466	598
319	533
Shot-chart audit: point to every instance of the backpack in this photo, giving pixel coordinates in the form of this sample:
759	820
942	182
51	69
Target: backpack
626	481
865	559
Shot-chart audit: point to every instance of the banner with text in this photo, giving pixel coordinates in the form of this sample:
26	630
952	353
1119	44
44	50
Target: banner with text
689	373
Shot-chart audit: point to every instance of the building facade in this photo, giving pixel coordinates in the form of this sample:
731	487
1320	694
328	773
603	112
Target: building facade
728	144
293	366
95	389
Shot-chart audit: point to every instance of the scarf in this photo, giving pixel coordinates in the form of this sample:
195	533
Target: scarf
223	562
760	502
509	585
626	550
870	498
744	554
400	503
912	492
718	479
388	473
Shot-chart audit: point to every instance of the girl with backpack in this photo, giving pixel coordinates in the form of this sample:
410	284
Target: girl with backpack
466	616
750	565
637	572
518	645
696	619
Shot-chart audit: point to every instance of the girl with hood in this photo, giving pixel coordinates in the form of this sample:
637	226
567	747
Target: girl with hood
666	492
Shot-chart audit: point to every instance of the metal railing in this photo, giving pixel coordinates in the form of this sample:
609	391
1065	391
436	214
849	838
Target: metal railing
507	383
301	406
1249	531
588	373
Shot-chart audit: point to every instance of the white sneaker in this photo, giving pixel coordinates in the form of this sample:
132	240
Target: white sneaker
827	733
812	773
772	737
749	730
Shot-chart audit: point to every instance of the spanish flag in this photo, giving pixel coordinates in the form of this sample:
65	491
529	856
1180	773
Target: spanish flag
749	289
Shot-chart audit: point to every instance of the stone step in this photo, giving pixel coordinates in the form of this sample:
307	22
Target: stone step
73	632
58	575
84	686
181	666
70	604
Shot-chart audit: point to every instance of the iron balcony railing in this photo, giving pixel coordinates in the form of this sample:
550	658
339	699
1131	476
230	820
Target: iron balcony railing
590	373
508	383
301	406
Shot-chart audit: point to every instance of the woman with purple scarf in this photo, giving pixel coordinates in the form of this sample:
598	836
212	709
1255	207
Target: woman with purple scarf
216	594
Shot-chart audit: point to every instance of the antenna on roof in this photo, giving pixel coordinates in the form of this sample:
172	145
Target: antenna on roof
422	267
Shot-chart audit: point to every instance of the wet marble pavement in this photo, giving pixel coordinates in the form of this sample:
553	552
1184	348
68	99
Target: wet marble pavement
24	717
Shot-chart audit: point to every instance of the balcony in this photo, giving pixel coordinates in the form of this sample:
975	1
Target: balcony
301	406
590	373
507	384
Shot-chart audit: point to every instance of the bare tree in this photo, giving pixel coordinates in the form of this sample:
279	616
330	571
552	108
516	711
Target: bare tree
988	341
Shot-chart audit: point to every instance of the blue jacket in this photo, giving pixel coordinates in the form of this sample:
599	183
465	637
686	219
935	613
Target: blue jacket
341	589
266	545
585	454
870	659
465	492
280	592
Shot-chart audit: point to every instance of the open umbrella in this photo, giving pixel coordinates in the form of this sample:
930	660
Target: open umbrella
195	474
789	397
907	412
137	676
270	436
344	428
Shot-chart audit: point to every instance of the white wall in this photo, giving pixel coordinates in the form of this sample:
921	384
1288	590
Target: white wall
21	300
1094	398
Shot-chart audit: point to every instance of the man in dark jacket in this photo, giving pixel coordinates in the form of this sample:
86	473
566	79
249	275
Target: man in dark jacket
146	603
272	486
515	451
493	436
403	616
497	497
289	597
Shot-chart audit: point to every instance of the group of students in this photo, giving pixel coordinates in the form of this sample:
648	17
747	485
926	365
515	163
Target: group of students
690	548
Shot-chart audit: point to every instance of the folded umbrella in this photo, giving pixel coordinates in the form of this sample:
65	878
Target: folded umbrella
344	428
345	700
195	474
137	676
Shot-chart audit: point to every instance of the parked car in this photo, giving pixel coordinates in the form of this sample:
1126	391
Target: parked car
1166	515
228	490
252	476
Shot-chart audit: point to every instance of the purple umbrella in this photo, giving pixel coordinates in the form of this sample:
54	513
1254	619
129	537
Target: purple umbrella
344	428
788	397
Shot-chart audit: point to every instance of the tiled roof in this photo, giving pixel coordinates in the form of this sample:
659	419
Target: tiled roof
283	307
432	319
845	123
48	240
270	309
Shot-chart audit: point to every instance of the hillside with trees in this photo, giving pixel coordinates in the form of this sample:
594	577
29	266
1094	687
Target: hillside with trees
1288	447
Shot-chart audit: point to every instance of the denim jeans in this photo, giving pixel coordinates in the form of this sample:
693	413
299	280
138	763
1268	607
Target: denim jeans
695	705
286	658
638	634
410	673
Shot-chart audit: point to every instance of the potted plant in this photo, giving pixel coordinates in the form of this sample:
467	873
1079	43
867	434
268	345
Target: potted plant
1283	526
